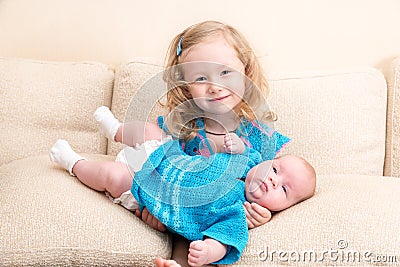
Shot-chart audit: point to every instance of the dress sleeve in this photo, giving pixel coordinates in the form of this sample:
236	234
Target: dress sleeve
280	141
161	124
230	229
265	140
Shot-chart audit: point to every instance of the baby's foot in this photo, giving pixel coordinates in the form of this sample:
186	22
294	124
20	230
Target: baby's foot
198	253
108	123
166	263
62	153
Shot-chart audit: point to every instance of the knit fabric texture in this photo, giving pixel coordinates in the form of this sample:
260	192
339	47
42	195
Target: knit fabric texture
254	134
197	196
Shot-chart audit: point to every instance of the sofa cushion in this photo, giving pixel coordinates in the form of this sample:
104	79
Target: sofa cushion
349	215
392	161
42	101
50	218
337	120
138	87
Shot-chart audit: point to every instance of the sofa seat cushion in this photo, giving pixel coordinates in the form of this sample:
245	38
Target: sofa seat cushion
41	101
349	215
50	218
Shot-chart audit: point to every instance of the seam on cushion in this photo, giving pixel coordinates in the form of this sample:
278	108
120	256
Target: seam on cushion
392	82
311	75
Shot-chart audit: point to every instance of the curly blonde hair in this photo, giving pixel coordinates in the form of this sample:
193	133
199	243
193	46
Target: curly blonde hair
182	111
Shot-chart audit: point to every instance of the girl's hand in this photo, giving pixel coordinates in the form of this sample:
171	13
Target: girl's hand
233	144
150	220
256	215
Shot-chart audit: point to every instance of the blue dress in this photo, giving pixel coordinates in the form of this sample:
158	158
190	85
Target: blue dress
254	134
198	196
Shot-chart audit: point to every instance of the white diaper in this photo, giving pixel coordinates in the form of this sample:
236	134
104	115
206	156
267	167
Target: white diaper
135	157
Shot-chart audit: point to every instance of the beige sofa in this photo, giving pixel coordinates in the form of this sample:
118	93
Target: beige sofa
345	122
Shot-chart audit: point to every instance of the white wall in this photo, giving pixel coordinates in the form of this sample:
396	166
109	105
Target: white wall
288	35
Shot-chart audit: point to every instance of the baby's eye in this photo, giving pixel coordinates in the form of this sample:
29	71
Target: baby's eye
284	189
274	170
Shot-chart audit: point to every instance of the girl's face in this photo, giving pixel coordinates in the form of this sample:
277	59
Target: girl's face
215	75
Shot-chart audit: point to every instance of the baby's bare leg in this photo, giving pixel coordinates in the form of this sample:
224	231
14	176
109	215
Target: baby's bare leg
205	251
110	176
137	132
129	133
166	263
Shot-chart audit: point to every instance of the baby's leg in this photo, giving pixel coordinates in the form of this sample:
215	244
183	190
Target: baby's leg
109	125
110	176
166	263
205	251
113	177
129	133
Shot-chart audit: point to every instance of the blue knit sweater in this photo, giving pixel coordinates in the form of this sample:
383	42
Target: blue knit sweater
254	134
197	196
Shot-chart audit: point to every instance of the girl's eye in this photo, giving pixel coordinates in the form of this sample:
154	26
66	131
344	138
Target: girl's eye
201	79
274	170
225	72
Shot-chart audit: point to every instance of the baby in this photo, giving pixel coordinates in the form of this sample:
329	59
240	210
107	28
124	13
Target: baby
197	197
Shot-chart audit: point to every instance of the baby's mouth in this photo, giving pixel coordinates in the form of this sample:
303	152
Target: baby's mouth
264	186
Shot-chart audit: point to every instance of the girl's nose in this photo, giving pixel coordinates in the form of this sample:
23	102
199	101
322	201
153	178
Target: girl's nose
213	87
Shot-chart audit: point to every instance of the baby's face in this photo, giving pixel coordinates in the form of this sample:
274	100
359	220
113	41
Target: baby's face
280	183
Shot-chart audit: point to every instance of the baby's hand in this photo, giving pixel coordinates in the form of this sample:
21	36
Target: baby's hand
256	215
233	144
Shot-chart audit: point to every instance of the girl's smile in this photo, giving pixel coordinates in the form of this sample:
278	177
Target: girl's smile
220	99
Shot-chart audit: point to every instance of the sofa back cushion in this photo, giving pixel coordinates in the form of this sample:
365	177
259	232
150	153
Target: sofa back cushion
336	119
138	87
392	161
42	101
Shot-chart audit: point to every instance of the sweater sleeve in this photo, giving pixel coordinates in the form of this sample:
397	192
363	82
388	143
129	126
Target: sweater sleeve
266	140
231	230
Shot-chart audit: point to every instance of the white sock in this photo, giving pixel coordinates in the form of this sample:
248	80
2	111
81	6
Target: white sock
108	123
62	153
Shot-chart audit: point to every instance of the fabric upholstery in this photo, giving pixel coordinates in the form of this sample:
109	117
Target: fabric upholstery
42	101
348	214
392	161
137	89
309	108
337	120
50	218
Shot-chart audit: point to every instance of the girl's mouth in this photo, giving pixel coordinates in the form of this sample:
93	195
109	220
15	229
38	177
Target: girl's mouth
219	98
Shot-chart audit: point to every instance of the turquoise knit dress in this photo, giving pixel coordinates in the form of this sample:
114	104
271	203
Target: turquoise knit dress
254	134
197	196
